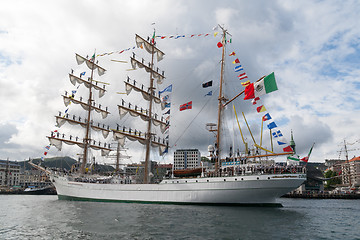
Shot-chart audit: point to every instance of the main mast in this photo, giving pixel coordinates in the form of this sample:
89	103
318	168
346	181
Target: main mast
221	99
148	140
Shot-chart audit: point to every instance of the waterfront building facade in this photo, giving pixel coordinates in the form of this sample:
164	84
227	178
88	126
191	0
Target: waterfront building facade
350	172
186	159
9	173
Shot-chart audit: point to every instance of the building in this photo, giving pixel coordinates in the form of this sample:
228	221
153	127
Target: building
186	159
9	173
350	172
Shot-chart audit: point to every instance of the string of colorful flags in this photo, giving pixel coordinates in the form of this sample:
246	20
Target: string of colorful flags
166	103
254	91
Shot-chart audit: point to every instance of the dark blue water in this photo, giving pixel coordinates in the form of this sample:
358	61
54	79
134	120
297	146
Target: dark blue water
45	217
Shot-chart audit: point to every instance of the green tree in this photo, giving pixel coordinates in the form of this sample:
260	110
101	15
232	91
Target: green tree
333	179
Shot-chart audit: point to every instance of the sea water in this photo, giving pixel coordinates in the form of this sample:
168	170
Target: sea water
46	217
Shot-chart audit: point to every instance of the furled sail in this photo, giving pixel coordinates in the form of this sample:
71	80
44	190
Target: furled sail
74	80
62	120
145	94
91	65
149	47
85	106
121	135
143	114
160	77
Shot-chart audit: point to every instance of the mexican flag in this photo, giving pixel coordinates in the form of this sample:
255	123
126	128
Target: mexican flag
306	159
257	89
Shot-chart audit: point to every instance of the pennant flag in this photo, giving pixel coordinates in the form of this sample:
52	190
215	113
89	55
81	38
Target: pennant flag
277	134
239	69
168	112
236	61
167	89
232	54
209	93
207	84
306	159
47	147
267	117
288	149
153	38
271	125
254	100
215	33
243	78
281	143
293	157
92	58
45	153
261	109
219	44
165	98
245	83
249	91
186	106
167	105
242	75
82	74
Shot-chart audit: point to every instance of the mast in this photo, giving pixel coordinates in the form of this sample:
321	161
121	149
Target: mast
221	98
87	139
148	140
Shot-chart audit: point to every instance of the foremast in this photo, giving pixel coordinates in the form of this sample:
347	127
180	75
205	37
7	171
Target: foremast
86	142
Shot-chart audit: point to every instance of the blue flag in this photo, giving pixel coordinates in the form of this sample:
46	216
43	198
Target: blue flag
277	134
209	94
271	125
167	89
281	143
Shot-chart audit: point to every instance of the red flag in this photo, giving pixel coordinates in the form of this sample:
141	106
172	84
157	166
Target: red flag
232	54
236	61
243	78
242	74
288	149
45	153
249	91
219	44
186	106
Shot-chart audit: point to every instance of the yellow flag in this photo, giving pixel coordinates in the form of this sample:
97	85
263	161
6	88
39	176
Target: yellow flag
215	33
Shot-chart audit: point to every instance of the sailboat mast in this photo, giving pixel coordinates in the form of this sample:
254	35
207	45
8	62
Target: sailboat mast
221	99
87	133
149	135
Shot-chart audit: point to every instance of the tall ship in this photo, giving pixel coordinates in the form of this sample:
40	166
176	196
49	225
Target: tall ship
235	180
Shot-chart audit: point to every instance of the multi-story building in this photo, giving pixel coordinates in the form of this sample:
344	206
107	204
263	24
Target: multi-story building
350	172
9	173
186	159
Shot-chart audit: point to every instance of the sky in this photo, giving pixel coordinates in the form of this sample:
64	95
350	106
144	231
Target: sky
311	46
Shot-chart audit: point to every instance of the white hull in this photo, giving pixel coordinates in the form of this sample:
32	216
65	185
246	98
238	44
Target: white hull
253	189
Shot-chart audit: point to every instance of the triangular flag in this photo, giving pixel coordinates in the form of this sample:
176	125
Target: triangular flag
232	54
288	149
261	109
236	61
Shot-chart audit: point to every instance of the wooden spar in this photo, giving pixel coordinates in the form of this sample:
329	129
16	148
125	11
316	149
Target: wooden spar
237	119
147	167
86	139
264	149
221	99
240	94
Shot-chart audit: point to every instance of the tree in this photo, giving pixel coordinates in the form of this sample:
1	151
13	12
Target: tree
333	179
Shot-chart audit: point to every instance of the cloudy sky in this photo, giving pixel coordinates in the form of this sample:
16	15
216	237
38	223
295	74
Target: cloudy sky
312	46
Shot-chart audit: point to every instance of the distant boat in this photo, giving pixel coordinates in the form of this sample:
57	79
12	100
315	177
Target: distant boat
34	190
247	183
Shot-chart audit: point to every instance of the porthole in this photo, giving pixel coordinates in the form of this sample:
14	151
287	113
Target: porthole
269	178
242	179
235	179
257	178
224	180
207	180
196	180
